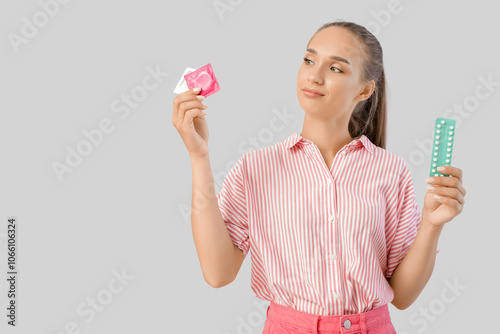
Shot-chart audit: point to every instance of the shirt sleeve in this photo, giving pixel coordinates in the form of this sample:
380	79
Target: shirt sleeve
232	200
402	220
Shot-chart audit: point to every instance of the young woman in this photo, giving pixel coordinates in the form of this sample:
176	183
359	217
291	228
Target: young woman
329	214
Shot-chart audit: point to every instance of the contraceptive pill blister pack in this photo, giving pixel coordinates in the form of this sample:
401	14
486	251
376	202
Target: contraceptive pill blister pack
442	148
203	77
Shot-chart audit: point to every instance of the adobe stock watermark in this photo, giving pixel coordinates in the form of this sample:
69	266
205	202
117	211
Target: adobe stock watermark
223	6
264	137
121	106
459	111
254	322
425	315
31	27
98	302
383	17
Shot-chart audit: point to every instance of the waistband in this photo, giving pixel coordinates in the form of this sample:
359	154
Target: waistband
334	323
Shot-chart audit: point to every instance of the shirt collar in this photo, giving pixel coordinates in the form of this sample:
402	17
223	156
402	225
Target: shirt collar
296	138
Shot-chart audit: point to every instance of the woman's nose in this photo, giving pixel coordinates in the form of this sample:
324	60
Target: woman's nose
315	76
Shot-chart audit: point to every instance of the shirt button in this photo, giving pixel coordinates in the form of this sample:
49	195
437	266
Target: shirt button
331	217
333	257
336	295
329	181
347	324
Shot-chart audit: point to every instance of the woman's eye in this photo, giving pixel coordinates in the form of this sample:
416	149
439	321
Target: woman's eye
309	60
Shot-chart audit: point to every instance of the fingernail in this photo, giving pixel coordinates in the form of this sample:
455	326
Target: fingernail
429	180
430	188
197	90
437	197
441	168
200	97
204	105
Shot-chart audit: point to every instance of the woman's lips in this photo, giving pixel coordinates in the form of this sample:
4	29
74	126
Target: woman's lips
311	94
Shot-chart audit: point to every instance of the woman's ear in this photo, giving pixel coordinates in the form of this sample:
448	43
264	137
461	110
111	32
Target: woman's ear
366	91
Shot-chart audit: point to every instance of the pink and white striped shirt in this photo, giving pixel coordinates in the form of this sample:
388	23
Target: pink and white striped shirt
323	240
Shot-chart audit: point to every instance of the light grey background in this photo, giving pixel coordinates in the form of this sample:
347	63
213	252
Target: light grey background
126	206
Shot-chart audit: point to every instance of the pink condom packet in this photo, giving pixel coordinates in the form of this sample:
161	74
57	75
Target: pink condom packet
203	77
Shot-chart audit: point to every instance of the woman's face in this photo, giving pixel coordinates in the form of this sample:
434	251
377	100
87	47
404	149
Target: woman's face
337	79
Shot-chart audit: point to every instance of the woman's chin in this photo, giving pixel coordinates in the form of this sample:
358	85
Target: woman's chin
310	107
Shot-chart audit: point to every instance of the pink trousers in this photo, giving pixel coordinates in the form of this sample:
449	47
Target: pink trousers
286	320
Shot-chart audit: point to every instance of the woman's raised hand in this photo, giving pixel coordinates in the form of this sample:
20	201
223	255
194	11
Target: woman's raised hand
189	120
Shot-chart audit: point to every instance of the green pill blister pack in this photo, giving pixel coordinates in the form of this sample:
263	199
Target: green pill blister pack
442	147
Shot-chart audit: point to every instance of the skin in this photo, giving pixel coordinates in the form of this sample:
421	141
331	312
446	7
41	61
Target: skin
326	118
326	124
414	271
